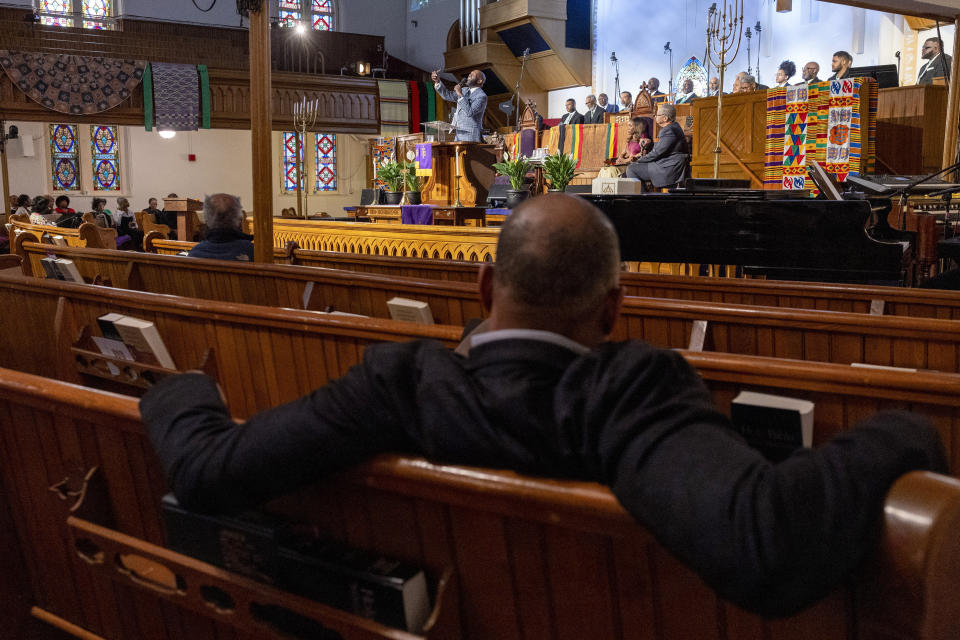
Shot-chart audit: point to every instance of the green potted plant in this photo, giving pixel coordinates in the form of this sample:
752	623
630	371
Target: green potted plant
559	170
411	183
516	170
392	174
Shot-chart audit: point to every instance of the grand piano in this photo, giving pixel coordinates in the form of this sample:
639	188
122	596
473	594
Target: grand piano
763	233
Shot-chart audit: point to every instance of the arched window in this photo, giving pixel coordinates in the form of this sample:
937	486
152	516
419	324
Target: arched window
317	13
323	159
89	14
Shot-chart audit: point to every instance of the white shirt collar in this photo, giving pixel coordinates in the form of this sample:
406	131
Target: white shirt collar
528	334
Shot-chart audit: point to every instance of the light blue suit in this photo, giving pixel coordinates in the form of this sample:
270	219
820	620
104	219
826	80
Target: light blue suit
468	119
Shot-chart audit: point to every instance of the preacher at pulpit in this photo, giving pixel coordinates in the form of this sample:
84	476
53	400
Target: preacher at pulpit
667	161
471	104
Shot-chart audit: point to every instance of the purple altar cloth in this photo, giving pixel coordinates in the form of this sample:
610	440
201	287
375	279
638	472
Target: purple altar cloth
416	214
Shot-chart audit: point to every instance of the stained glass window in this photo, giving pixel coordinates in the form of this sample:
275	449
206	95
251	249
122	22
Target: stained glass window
105	158
60	11
326	161
323	15
92	14
290	12
290	163
319	13
64	157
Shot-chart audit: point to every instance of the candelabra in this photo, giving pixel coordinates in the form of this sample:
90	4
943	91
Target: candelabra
726	32
304	117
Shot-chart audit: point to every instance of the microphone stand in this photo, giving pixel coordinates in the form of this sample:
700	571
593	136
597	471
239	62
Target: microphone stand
523	63
749	36
897	56
706	56
757	28
616	76
667	49
904	191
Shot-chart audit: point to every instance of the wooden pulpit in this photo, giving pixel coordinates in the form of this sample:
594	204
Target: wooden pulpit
910	129
186	218
469	164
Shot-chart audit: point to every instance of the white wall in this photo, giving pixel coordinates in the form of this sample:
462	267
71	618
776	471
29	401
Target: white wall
154	167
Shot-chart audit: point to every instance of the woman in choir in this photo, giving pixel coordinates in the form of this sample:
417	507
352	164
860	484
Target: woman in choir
786	71
639	140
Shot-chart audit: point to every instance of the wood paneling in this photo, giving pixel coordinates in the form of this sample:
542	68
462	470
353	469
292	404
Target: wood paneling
743	137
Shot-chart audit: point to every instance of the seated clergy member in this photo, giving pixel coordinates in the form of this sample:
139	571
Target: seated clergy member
543	392
626	101
785	71
471	105
572	116
686	92
714	88
666	163
811	72
747	83
841	63
594	113
653	86
225	239
937	63
605	104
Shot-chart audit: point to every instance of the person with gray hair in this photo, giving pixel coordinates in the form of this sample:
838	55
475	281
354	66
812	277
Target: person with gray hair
225	239
666	164
542	391
593	114
748	83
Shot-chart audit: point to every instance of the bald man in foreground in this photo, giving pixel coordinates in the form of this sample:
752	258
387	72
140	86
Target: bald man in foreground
543	392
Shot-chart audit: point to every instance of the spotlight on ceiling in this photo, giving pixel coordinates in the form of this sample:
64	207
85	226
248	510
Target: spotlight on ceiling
166	134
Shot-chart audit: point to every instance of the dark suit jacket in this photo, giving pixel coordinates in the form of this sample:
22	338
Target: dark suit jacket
611	108
634	417
668	157
595	118
935	69
577	118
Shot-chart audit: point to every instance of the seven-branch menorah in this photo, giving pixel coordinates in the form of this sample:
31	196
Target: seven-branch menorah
304	117
725	33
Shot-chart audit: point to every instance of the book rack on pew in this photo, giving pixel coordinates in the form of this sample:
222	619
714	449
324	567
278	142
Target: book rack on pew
141	374
216	593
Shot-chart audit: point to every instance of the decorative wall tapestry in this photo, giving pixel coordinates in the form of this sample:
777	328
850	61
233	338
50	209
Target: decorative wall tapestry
176	96
394	107
76	85
839	130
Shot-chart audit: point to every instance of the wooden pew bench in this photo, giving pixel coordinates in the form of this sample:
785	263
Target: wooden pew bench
803	334
264	356
891	301
528	557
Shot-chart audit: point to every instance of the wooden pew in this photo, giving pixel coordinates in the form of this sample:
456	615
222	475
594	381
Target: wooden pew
803	334
266	356
87	234
526	556
890	301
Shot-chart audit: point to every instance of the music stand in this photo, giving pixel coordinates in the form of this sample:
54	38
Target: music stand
885	74
824	180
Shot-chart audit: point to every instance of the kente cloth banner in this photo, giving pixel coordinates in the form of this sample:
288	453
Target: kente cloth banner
854	105
571	140
795	138
176	96
839	125
425	159
613	134
76	85
511	143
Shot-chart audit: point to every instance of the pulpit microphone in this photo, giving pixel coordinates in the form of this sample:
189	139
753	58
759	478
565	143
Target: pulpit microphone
613	56
526	52
897	56
666	47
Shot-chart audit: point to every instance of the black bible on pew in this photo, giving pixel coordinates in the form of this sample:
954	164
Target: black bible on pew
269	549
774	425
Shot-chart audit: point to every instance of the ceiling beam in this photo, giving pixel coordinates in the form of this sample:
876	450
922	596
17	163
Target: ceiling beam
947	10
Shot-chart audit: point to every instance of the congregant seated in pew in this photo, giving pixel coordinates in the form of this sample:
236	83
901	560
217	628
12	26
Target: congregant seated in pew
225	237
542	391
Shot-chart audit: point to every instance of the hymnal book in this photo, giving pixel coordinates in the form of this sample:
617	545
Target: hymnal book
50	268
268	549
775	425
60	241
114	349
367	584
68	270
407	310
144	337
107	327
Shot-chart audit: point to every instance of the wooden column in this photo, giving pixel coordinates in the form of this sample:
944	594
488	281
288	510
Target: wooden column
261	133
953	105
